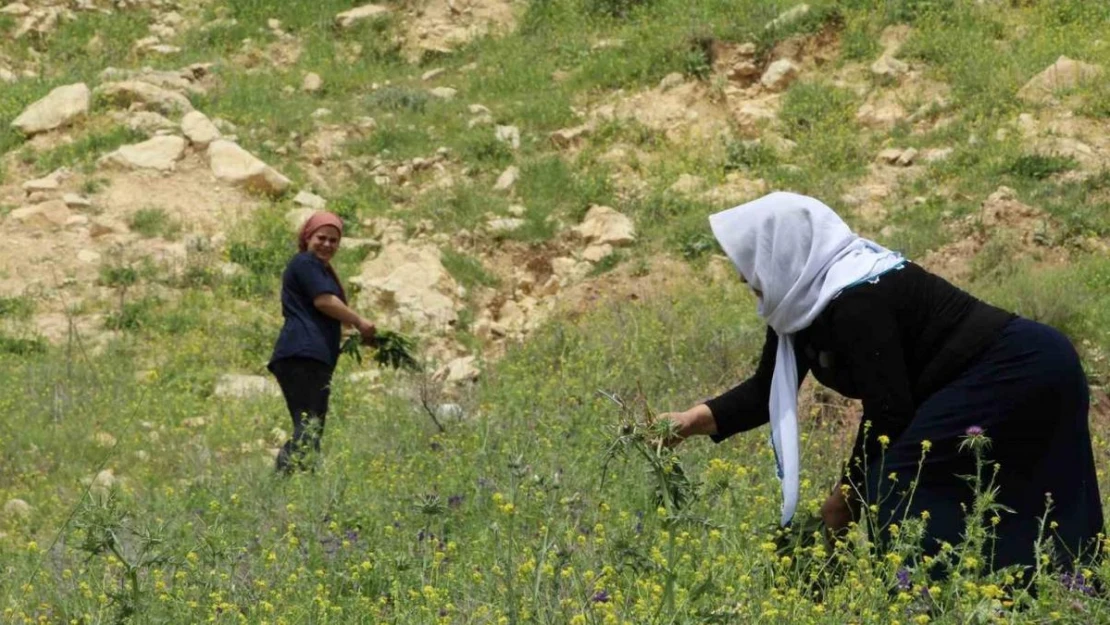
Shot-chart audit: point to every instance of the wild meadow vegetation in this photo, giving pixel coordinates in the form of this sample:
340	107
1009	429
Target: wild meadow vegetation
545	498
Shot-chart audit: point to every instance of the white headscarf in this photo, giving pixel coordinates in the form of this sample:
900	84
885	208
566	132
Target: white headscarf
800	255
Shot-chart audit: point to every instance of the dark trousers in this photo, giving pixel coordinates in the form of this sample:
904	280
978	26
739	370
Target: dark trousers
1029	394
306	385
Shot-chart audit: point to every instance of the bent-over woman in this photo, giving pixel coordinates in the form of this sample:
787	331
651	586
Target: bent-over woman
929	362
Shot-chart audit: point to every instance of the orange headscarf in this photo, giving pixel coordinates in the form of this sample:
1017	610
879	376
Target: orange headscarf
311	225
314	223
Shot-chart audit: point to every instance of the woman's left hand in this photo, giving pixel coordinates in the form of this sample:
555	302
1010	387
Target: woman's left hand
836	512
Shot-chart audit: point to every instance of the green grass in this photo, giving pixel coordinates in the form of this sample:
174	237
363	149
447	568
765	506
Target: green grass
1040	166
467	270
21	346
16	307
520	496
84	152
830	150
404	525
153	222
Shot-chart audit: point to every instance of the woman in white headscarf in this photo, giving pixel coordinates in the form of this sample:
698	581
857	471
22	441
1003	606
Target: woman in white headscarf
929	362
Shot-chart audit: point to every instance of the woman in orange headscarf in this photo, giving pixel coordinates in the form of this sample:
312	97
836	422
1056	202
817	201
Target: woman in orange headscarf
314	306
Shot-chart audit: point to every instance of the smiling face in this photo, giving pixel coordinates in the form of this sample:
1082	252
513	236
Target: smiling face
324	243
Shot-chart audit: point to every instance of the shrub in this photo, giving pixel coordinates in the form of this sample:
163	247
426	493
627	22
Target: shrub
467	270
1040	166
153	222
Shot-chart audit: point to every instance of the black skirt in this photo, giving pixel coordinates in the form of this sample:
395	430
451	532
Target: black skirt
1029	395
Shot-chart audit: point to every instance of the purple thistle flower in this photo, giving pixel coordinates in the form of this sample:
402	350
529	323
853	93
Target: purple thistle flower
903	576
351	535
974	430
420	535
1076	583
454	501
602	596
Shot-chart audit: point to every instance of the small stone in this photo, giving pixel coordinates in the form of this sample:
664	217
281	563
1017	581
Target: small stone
369	376
103	482
149	122
743	71
444	93
233	164
195	422
104	439
15	9
57	109
310	200
347	19
788	17
891	155
321	113
89	257
670	81
236	386
199	129
312	83
568	137
297	216
509	135
164	49
433	73
73	200
507	178
889	67
517	210
273	24
478	109
159	153
277	436
595	253
602	224
1063	75
459	370
46	183
450	411
936	155
779	75
504	225
17	509
136	91
907	157
45	216
687	184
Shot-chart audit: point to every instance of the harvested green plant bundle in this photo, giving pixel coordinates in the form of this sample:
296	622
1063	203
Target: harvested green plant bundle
390	349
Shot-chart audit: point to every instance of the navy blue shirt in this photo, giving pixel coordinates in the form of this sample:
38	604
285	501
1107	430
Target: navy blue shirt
307	332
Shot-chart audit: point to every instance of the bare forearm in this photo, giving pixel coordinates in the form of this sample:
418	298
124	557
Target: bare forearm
334	307
698	420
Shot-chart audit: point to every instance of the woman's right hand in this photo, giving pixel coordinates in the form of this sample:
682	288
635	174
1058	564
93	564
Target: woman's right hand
697	420
366	329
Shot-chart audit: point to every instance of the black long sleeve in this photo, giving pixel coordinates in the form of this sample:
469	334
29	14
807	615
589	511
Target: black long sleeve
745	407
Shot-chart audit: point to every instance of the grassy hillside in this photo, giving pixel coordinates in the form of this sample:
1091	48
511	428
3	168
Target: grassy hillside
151	499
